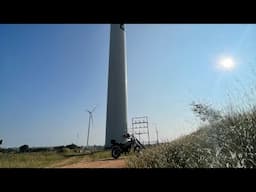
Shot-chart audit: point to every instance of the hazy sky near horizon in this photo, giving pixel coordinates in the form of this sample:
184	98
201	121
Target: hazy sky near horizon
51	73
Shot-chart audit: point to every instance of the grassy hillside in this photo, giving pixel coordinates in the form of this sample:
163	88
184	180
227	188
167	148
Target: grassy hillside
228	140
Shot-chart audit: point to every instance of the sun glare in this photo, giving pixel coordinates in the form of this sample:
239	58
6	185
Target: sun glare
227	63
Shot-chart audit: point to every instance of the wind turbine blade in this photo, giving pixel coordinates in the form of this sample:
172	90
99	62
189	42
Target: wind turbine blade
93	108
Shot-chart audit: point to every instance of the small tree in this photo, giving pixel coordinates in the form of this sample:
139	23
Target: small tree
206	112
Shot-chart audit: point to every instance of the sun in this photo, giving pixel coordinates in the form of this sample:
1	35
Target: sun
227	63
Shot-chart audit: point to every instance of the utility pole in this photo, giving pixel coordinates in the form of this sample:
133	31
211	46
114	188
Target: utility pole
157	140
140	127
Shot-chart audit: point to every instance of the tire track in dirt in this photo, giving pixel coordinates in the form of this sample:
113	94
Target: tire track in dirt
103	163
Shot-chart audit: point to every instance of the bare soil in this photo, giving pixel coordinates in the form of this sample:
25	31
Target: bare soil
102	163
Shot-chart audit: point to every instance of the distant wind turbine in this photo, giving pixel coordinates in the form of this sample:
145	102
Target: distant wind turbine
90	123
157	140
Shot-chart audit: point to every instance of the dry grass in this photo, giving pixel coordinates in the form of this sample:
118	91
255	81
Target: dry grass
229	142
29	160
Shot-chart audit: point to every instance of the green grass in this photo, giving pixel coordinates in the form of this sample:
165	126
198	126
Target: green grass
29	160
48	159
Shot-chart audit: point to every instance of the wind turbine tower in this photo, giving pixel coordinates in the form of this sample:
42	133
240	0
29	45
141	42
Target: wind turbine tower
157	140
116	124
89	124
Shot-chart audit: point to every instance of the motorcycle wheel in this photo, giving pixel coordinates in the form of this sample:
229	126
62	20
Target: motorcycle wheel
137	149
116	152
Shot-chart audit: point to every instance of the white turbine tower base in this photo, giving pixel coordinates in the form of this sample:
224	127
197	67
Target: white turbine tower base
116	124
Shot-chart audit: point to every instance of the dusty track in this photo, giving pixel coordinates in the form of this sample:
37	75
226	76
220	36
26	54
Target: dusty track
103	163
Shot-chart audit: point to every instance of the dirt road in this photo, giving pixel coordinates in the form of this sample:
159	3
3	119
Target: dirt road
103	163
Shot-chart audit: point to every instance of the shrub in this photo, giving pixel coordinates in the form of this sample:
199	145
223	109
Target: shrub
24	148
64	150
228	140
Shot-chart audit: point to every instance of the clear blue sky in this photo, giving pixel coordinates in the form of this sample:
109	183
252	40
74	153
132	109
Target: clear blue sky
50	74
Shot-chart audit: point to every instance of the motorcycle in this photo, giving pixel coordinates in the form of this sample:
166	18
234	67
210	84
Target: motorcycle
118	148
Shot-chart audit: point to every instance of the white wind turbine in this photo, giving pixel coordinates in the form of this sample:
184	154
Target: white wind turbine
90	124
